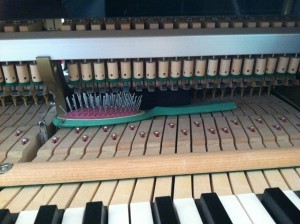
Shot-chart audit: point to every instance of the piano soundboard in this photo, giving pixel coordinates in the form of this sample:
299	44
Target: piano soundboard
239	165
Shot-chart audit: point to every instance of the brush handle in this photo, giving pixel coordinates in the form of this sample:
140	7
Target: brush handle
157	111
192	109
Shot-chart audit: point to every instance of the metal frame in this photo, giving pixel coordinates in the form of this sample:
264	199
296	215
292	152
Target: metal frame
60	45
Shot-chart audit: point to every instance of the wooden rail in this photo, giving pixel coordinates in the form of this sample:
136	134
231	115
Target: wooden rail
148	166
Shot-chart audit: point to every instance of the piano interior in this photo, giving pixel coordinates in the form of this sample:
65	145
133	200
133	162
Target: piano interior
150	112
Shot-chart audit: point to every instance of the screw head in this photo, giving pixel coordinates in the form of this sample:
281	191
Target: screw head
132	127
172	125
283	119
77	130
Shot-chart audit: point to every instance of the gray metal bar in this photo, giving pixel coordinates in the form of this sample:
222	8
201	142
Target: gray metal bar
147	43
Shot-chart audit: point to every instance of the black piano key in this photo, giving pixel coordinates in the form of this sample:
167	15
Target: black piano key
211	209
164	212
48	214
95	213
280	207
6	217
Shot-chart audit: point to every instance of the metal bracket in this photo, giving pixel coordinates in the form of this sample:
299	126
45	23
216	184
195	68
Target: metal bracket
5	167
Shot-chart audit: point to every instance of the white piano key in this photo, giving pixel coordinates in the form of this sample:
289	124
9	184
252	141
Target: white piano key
27	217
293	197
118	214
234	209
73	216
141	213
255	210
187	211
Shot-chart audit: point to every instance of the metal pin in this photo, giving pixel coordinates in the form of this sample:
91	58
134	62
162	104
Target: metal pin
105	128
132	127
156	133
259	120
277	127
85	138
114	136
172	125
252	129
235	122
197	123
24	141
69	104
283	119
142	134
54	140
225	130
184	131
18	132
212	131
77	130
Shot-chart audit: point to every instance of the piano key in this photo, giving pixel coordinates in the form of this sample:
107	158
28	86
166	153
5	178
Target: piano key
118	214
293	197
164	212
94	213
27	217
140	212
254	209
5	217
48	214
280	207
187	211
211	209
234	209
73	216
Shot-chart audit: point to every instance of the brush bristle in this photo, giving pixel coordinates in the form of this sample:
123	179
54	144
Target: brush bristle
93	106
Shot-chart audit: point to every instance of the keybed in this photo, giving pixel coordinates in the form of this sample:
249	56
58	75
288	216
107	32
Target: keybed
145	190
